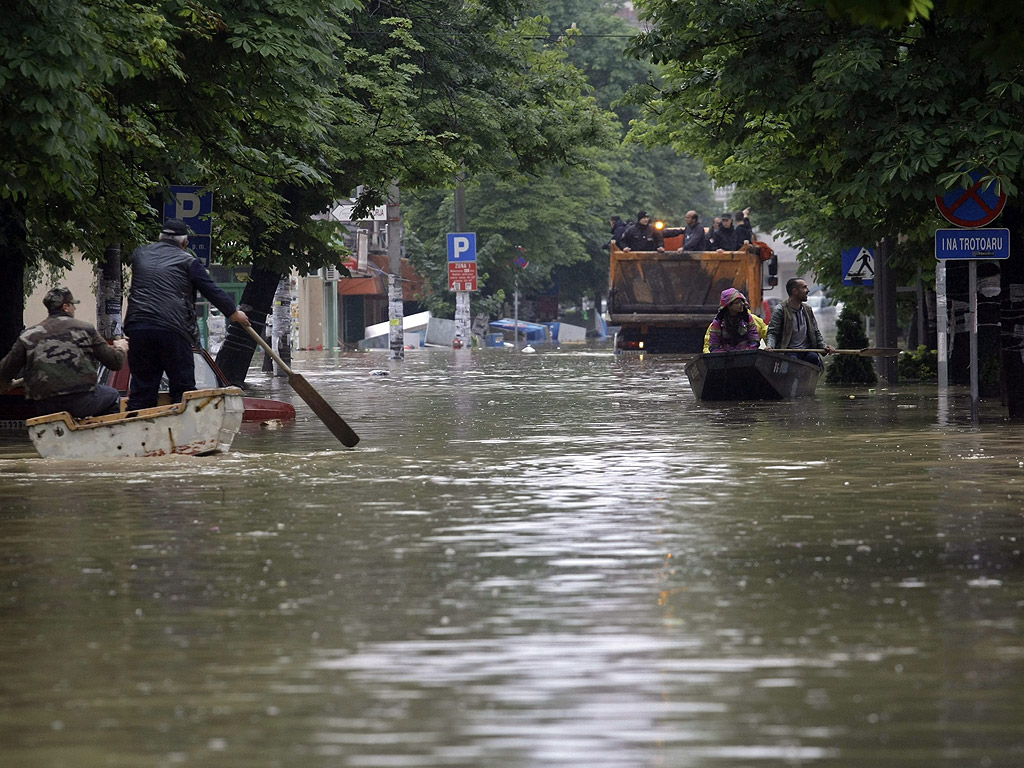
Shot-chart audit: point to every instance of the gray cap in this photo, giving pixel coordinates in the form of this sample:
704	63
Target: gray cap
174	227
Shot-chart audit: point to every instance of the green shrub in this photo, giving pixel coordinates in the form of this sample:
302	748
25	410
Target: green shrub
920	364
850	369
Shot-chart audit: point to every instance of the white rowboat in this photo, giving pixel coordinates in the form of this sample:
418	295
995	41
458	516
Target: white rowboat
206	421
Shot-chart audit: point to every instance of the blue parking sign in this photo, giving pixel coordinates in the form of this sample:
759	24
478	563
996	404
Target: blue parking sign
462	246
193	205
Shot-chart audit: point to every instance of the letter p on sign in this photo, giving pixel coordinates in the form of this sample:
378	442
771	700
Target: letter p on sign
186	205
462	246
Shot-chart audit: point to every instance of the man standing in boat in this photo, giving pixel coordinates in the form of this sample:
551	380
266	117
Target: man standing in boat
793	325
59	360
161	320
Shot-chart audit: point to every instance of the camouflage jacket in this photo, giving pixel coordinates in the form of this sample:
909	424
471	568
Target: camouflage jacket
58	357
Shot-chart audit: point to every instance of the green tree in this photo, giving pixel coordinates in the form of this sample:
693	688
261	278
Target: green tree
853	128
613	179
278	107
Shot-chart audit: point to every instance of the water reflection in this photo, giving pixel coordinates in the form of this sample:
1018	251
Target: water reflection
558	559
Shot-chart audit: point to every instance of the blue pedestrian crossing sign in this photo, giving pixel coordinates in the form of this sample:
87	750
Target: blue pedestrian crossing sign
859	266
462	246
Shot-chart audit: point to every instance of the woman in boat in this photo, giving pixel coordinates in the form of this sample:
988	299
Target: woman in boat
734	327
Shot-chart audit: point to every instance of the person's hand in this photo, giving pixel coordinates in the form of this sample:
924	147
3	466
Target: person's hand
661	249
238	316
121	344
829	349
625	250
746	213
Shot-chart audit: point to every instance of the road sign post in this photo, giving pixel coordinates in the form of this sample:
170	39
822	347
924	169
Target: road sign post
461	279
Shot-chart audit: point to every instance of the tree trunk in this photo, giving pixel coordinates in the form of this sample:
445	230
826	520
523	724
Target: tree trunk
235	357
13	251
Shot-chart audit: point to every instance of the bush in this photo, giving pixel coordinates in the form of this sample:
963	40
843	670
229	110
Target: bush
920	364
850	369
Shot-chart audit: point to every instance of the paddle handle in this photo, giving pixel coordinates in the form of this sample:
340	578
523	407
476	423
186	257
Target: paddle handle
866	352
268	349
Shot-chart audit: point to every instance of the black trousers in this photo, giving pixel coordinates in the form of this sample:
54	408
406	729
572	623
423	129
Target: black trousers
151	353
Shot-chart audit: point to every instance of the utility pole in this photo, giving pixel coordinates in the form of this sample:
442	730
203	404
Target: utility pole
462	310
396	332
108	294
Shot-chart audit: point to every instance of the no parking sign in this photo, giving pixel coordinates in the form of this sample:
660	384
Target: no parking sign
973	206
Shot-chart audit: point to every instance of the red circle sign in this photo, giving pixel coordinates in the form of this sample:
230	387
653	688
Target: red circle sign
974	206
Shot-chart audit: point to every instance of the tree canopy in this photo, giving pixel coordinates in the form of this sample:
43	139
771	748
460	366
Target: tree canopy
854	128
278	107
560	214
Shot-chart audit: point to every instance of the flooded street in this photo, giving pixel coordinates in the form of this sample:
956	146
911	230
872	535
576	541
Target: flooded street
559	559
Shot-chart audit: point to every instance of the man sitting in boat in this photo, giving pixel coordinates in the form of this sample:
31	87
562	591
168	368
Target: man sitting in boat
59	358
734	327
793	326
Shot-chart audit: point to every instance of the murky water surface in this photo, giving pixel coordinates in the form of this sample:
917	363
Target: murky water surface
550	560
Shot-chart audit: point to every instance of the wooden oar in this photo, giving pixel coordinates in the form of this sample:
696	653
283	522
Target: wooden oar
866	352
327	415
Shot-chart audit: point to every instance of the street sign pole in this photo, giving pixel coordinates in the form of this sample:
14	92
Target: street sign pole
462	276
942	327
972	289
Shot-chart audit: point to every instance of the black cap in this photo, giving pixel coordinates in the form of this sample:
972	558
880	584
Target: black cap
56	298
642	215
727	215
174	227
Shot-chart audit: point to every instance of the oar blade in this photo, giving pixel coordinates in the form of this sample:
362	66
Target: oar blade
321	408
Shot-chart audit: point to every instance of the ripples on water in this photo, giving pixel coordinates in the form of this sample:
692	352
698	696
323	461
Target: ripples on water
558	559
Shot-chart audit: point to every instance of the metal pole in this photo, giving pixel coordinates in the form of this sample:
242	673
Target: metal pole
972	288
922	314
515	334
942	326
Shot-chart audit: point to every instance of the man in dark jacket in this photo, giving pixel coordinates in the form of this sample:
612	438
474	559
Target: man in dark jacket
726	238
694	236
642	236
59	359
161	321
618	227
743	228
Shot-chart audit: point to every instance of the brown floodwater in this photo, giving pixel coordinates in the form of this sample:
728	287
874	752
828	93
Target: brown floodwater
558	559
